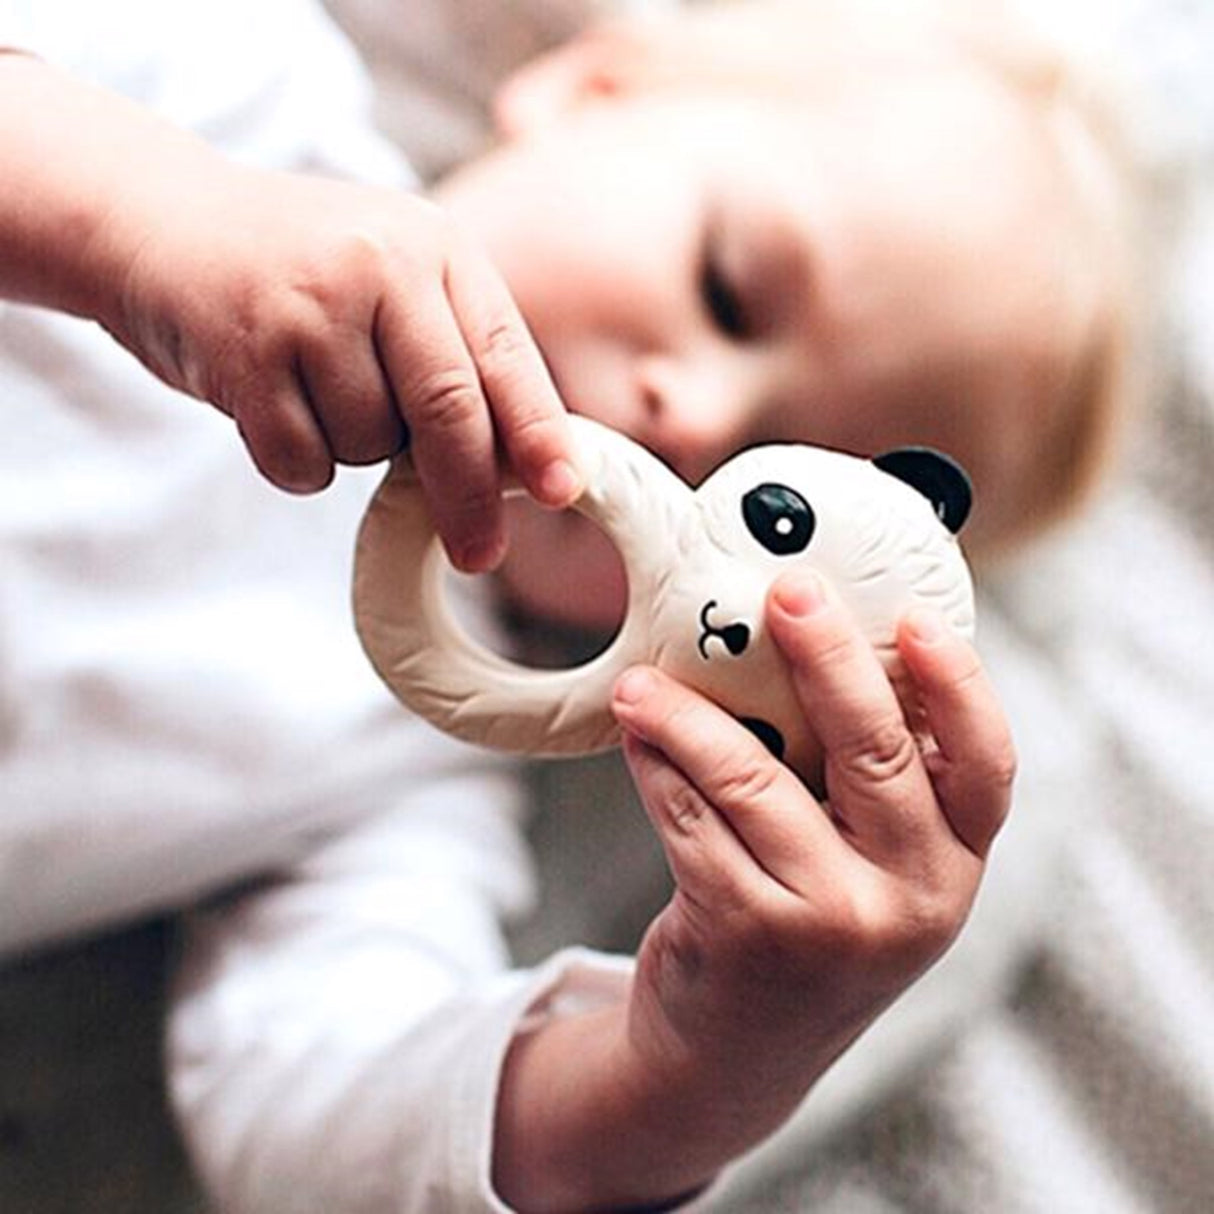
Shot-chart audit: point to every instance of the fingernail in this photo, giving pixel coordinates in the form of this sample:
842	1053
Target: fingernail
482	557
800	594
561	483
634	685
926	625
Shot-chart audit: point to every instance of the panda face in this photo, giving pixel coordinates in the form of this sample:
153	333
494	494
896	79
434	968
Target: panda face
873	535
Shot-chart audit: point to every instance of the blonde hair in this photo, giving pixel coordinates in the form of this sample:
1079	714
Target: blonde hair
1081	114
764	44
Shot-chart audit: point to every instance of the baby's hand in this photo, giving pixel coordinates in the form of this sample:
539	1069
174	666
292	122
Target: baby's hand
794	923
335	323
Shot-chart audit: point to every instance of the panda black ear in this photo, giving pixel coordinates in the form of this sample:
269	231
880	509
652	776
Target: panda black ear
937	476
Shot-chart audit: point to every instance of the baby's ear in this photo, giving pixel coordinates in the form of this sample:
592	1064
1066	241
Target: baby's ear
594	65
938	477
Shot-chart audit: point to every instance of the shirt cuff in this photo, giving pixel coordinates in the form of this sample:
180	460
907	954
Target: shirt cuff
568	983
571	982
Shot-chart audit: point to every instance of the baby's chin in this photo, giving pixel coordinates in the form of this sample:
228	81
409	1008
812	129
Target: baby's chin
563	569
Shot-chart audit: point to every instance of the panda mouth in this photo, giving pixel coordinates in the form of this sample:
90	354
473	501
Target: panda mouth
734	636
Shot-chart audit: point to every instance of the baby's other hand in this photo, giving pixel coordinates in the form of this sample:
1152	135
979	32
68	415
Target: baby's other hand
795	922
336	323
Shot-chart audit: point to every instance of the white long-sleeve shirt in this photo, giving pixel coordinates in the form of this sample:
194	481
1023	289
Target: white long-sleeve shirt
174	634
184	708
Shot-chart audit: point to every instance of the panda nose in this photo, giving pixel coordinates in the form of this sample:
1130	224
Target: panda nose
735	636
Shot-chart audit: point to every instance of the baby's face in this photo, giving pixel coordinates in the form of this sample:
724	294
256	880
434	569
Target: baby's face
706	272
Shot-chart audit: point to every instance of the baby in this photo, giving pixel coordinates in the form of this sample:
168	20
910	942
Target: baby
859	225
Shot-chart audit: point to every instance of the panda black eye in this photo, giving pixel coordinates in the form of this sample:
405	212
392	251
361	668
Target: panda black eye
779	518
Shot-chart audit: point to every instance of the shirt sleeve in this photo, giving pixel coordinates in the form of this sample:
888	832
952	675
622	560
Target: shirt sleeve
15	32
337	1035
276	84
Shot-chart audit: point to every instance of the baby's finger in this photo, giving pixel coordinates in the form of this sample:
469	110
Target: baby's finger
876	781
761	801
283	437
706	859
974	763
528	416
451	438
353	402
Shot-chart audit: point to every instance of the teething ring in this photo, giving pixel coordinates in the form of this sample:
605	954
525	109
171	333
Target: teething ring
436	668
699	564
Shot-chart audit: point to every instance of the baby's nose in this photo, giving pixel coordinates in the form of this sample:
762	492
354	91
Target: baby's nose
690	419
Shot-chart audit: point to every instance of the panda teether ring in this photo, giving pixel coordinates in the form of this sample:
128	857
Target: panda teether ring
699	564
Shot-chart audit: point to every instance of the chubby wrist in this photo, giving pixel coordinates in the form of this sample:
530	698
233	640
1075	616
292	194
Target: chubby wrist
49	209
585	1123
80	162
